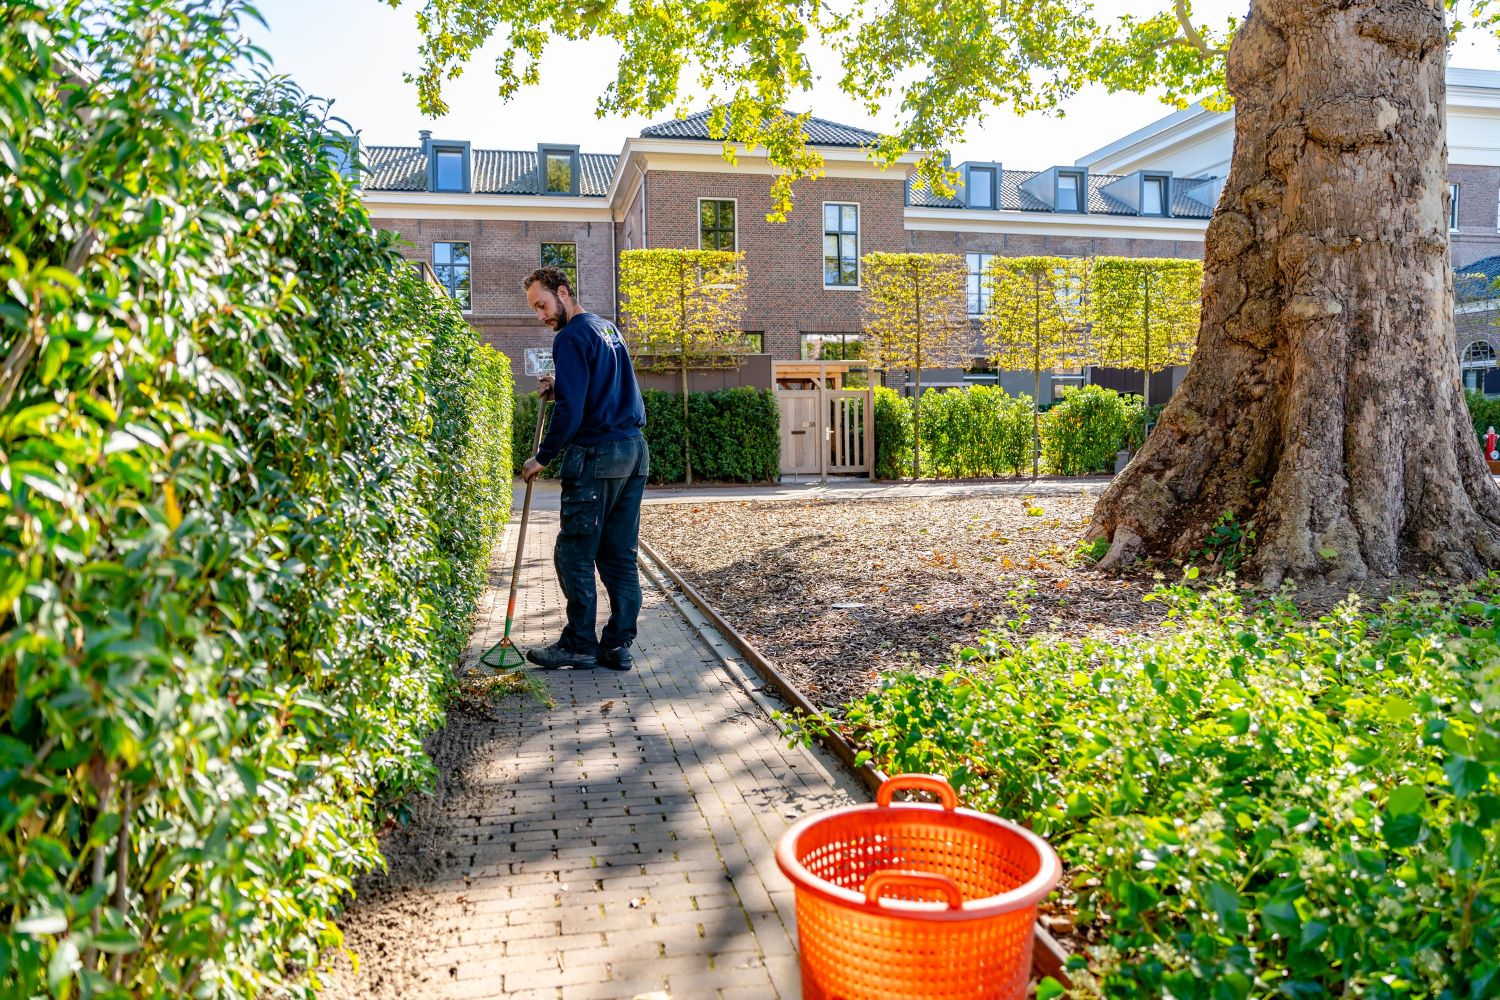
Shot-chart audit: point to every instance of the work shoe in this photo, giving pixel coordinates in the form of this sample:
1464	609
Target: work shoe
618	658
557	655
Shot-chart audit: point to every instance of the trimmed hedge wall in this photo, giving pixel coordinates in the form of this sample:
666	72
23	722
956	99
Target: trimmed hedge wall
253	466
736	435
982	431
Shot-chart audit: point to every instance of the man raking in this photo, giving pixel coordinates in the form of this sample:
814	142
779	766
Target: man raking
597	416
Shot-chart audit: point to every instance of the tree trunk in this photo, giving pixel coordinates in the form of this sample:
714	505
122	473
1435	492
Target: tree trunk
1324	403
687	439
916	427
1036	378
1146	341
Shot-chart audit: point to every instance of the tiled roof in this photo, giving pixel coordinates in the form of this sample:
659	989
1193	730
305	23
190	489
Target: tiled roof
820	131
1476	281
495	171
1013	199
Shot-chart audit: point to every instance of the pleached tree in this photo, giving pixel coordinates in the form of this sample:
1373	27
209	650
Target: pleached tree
915	317
1143	313
1035	322
680	311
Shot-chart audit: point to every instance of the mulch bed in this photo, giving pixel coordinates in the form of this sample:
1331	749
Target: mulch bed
836	591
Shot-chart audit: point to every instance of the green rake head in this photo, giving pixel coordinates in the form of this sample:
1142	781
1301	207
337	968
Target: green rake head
503	655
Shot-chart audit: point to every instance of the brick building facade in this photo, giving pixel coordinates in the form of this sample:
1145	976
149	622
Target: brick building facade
506	212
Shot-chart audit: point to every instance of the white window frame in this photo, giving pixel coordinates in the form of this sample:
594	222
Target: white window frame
432	256
573	284
735	202
859	240
1452	207
983	267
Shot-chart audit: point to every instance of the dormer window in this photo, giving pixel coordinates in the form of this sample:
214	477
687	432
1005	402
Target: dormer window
557	170
1154	195
982	187
1070	192
448	166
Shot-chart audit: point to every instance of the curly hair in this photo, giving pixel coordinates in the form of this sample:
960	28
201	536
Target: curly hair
552	278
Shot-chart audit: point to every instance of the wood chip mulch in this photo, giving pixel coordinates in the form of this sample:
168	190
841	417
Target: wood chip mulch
834	592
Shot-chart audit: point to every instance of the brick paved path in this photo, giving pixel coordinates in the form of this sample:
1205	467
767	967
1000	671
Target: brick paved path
619	844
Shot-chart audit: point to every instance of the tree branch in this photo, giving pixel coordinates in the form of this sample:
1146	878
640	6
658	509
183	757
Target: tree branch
1190	33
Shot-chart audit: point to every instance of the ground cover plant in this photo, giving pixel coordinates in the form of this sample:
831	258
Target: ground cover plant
253	465
1248	802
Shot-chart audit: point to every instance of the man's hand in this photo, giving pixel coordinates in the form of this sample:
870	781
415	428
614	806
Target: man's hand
531	469
544	386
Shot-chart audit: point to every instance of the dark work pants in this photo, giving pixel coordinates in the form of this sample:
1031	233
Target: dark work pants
598	528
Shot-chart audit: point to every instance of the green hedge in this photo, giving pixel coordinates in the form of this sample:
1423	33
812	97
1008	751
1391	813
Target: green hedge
893	434
252	468
1251	804
1484	412
1084	430
736	435
982	431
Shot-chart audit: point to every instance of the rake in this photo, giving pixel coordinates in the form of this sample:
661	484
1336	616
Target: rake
506	648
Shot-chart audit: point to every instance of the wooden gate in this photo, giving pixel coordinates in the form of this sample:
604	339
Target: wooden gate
827	431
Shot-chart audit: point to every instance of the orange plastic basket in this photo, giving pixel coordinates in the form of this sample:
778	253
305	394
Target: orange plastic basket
912	901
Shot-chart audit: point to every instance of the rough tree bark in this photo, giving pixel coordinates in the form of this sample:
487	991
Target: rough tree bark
1324	402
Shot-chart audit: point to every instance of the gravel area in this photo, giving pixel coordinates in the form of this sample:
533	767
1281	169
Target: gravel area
836	591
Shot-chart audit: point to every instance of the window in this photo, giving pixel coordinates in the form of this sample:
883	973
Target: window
716	224
840	246
559	173
832	347
1478	358
1453	208
557	169
981	187
451	262
1154	196
755	342
979	292
448	170
565	256
1069	191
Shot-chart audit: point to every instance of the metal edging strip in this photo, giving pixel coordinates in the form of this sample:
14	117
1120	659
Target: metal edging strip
1047	956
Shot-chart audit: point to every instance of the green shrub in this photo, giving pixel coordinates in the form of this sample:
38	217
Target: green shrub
253	464
736	435
1484	412
664	435
893	415
1083	430
1251	804
978	431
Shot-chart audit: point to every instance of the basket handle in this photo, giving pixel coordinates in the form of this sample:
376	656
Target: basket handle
875	884
934	783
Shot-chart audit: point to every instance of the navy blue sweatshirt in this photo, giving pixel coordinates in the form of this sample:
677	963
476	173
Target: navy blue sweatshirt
595	398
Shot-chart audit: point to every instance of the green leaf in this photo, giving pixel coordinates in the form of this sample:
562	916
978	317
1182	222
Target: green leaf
1466	776
1402	831
1405	799
1466	848
1282	918
1328	553
1049	989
